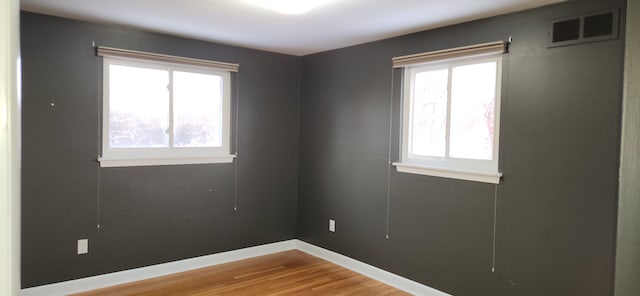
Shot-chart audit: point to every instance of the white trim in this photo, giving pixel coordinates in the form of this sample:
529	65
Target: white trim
10	147
373	272
127	276
143	273
446	173
107	163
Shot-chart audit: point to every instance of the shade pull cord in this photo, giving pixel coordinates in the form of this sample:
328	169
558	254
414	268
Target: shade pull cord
235	170
389	163
99	126
495	218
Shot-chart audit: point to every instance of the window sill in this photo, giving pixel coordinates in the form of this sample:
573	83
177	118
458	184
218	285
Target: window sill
446	173
119	162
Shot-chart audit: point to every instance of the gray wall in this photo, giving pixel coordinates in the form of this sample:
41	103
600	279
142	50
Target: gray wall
628	248
560	128
556	222
148	215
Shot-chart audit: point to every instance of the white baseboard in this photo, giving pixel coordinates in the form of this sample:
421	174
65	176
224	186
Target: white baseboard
373	272
143	273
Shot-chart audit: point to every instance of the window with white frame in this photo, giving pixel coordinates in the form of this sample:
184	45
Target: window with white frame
451	113
164	110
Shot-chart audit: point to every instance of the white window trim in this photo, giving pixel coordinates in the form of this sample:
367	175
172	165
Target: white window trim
107	163
462	169
447	173
123	157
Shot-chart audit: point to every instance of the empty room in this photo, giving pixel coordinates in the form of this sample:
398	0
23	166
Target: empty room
343	147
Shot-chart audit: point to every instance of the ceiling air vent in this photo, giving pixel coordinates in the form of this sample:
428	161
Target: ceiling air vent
586	28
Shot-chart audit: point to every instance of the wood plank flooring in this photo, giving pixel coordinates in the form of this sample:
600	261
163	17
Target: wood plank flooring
287	273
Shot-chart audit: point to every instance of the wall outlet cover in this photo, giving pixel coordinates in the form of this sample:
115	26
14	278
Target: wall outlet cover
83	246
332	225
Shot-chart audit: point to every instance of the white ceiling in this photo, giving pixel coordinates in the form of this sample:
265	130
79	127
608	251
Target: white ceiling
337	24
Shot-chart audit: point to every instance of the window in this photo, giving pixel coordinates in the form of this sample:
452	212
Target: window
160	112
451	116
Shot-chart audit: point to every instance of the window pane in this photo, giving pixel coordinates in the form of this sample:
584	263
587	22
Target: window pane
429	114
138	107
197	109
473	92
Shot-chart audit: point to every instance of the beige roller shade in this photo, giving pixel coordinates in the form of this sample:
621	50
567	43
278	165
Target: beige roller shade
125	53
425	57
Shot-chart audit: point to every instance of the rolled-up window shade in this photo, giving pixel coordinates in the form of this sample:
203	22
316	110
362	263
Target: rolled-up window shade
125	53
445	54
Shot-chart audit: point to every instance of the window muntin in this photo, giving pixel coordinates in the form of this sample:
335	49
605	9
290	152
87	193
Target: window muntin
451	117
157	113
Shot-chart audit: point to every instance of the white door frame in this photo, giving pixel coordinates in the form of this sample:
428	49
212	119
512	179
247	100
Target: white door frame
9	147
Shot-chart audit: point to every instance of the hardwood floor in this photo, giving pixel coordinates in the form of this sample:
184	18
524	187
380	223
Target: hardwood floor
287	273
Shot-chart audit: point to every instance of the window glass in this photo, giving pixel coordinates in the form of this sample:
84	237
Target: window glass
473	92
197	103
429	113
139	107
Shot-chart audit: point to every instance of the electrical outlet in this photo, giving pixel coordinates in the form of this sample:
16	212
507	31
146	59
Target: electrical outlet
332	225
83	246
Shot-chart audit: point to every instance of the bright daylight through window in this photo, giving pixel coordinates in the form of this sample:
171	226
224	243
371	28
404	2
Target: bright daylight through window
159	113
451	117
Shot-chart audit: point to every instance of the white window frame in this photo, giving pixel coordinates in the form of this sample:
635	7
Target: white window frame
448	167
122	157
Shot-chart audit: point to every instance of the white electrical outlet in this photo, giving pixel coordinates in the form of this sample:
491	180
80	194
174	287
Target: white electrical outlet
332	225
83	246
